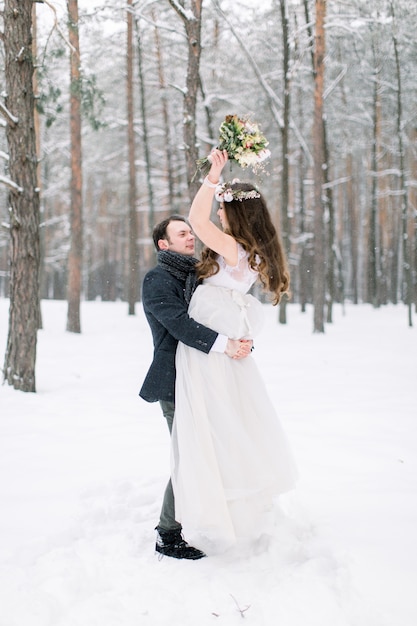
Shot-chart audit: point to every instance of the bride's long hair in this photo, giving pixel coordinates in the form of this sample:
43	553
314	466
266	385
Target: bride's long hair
249	222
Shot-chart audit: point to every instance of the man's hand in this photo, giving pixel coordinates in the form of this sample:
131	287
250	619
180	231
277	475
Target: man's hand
238	348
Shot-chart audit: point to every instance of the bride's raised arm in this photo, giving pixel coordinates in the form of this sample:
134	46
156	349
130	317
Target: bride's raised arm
199	217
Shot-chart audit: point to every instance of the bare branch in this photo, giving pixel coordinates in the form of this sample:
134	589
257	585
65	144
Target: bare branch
57	26
182	90
273	100
241	611
11	119
10	183
160	25
337	80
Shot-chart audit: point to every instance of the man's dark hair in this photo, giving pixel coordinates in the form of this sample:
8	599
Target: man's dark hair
160	230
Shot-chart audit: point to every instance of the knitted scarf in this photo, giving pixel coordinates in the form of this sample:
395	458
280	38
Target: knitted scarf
182	267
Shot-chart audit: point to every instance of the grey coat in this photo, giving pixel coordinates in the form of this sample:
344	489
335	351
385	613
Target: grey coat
166	311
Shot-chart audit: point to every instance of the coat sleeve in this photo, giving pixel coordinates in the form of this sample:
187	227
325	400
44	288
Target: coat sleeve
163	299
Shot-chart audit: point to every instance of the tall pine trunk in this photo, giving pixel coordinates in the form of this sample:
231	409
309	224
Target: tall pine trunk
20	358
351	210
331	226
413	203
38	152
192	25
318	137
353	225
76	245
406	264
285	132
173	201
373	265
304	270
132	215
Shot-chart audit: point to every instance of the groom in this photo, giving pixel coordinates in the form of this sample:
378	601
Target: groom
166	293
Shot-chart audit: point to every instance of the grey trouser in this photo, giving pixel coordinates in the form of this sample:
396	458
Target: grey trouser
167	520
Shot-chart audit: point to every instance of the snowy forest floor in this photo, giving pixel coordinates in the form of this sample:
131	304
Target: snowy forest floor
84	462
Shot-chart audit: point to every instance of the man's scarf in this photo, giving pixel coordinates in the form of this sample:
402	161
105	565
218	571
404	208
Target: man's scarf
182	267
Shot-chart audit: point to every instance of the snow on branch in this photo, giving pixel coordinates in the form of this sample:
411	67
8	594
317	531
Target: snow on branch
393	171
187	16
337	181
11	119
182	90
158	25
10	183
337	80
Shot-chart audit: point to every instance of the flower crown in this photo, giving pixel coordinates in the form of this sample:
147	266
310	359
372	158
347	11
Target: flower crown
224	193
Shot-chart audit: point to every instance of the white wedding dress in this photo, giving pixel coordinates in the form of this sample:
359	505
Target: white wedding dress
230	456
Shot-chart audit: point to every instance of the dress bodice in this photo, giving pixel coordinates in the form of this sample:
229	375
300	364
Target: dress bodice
240	277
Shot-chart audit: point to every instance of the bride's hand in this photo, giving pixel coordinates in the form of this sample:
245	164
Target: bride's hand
218	159
238	348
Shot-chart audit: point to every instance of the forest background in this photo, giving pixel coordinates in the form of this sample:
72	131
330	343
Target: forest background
257	59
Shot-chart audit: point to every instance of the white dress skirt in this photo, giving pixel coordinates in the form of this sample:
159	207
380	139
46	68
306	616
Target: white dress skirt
230	456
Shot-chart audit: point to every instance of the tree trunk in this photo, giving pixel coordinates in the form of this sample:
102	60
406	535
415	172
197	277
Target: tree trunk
352	215
413	203
406	265
209	117
350	209
318	134
20	358
173	202
76	246
38	151
304	269
132	215
145	134
373	273
331	244
193	33
285	131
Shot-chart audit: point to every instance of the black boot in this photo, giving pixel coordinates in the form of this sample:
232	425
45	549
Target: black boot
172	543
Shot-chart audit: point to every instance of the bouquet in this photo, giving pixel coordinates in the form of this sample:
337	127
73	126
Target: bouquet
244	143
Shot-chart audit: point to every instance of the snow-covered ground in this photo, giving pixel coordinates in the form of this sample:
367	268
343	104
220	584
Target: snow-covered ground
84	462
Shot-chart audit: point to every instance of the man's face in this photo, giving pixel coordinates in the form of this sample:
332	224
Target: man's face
179	239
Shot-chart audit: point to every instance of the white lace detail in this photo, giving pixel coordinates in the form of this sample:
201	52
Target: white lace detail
240	276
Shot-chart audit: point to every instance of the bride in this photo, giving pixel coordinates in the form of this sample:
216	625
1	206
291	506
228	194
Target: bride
230	457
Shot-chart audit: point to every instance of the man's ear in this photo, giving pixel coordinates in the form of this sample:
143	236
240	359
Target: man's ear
163	244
